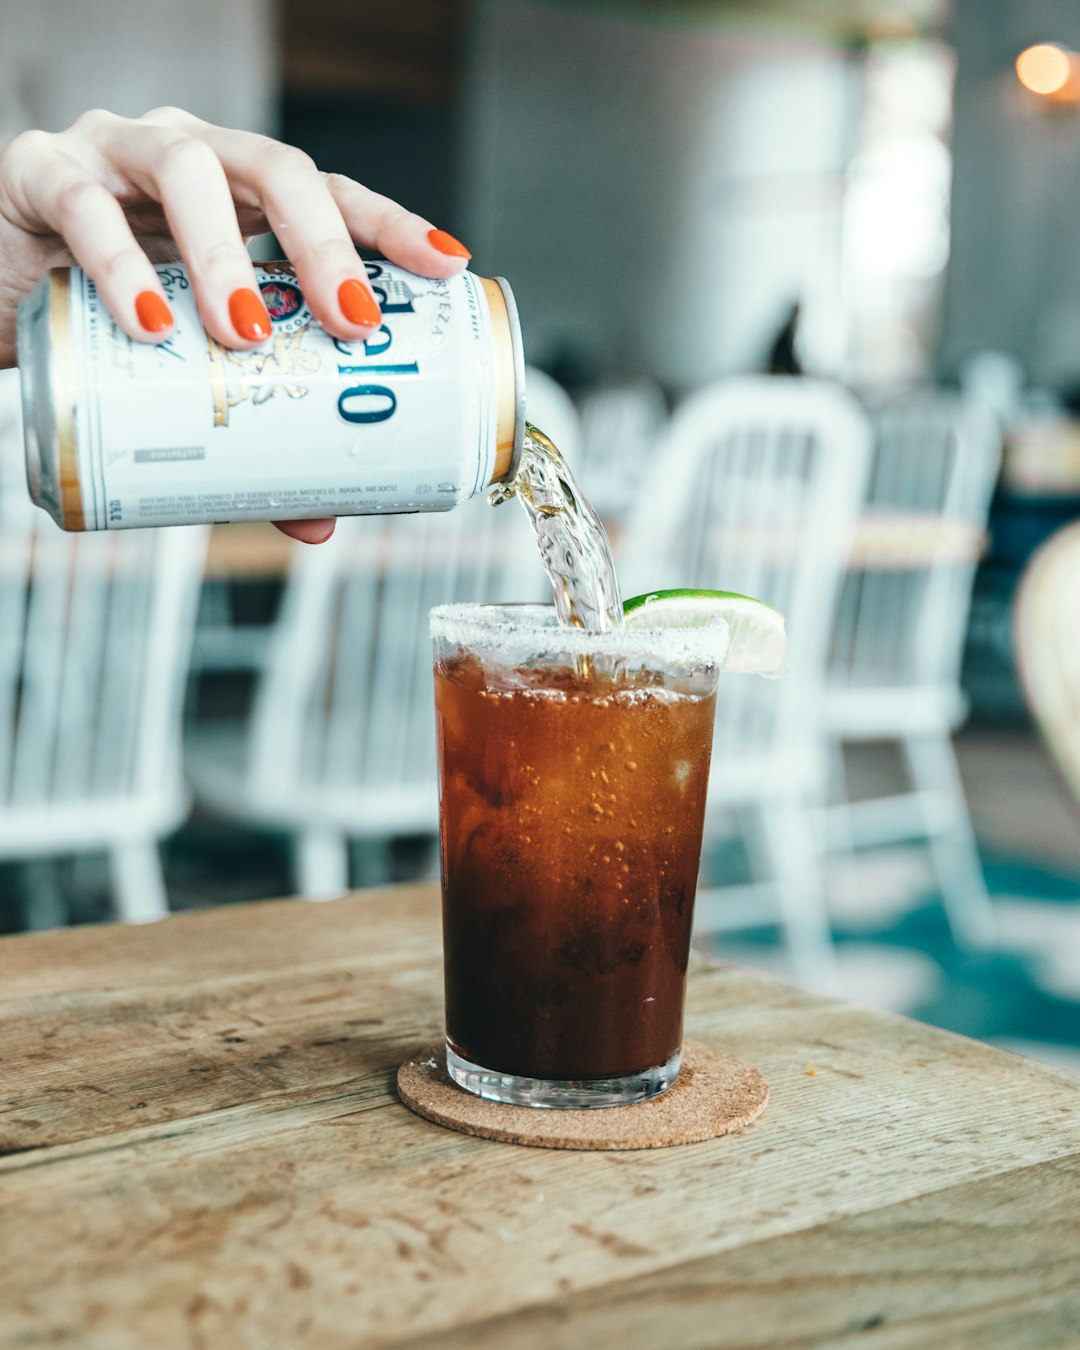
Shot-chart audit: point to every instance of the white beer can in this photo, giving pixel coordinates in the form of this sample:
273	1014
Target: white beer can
426	412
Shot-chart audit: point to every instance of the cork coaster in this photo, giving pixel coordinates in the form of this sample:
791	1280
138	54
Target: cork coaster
714	1094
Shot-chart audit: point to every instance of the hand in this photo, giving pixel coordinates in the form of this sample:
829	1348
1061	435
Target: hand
116	195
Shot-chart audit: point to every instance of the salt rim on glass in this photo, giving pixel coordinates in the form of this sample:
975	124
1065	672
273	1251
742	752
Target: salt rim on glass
513	633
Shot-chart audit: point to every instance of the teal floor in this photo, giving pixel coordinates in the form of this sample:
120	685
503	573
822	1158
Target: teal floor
1025	993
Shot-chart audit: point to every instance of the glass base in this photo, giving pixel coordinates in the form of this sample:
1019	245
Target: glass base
562	1093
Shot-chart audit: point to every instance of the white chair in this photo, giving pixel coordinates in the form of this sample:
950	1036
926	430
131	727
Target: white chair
894	667
95	635
754	489
341	744
621	428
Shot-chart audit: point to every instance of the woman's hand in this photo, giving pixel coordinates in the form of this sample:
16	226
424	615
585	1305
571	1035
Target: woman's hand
116	195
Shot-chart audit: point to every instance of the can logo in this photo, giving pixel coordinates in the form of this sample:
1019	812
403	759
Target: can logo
283	364
285	304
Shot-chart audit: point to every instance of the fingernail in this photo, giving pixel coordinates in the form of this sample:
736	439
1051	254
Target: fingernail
358	304
248	315
446	243
329	534
152	312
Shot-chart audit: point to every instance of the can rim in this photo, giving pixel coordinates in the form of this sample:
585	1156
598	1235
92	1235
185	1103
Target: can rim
24	359
518	345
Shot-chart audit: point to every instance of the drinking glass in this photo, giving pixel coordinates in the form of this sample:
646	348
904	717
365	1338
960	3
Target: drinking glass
573	769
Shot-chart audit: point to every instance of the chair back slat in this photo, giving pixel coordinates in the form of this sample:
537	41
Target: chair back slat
81	682
126	664
352	675
174	560
15	562
901	619
621	428
36	726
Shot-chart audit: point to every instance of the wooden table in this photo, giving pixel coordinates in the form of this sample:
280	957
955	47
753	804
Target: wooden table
203	1148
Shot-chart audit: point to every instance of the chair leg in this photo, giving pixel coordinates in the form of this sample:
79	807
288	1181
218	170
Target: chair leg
41	896
138	883
322	864
371	862
953	850
746	825
796	864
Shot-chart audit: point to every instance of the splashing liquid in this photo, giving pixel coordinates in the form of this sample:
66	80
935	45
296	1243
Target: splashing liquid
573	546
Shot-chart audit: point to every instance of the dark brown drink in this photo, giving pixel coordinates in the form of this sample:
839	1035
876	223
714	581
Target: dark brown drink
572	804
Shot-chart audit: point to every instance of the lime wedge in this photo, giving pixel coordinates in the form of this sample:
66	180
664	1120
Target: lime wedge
758	643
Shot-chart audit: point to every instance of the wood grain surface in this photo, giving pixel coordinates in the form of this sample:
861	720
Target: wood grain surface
200	1146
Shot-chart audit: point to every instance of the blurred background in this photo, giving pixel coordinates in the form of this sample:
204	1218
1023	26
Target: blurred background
875	195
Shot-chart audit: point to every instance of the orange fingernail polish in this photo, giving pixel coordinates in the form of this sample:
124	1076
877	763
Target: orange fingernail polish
358	304
446	243
152	312
248	315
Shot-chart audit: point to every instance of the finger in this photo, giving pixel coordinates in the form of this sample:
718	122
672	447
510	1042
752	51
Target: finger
58	194
184	174
409	240
307	531
308	223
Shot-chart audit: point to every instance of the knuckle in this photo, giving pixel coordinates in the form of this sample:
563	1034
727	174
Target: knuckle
226	255
77	199
28	147
383	213
339	182
94	124
280	158
390	215
185	156
118	263
167	116
333	251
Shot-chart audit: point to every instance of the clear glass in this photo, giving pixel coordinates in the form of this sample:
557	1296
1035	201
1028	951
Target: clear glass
573	769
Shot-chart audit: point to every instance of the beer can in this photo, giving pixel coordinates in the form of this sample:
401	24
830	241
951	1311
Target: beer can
120	434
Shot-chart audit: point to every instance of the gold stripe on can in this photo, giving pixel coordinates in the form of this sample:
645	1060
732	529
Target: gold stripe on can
63	378
506	380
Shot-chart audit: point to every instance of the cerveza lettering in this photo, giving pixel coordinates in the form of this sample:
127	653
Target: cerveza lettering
172	279
367	402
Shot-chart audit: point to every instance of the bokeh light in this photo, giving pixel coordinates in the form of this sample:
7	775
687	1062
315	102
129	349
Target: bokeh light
1044	68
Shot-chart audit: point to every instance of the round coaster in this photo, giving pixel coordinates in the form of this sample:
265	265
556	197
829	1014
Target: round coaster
714	1094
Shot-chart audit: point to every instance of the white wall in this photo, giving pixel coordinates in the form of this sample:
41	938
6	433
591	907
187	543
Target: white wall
656	193
61	57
